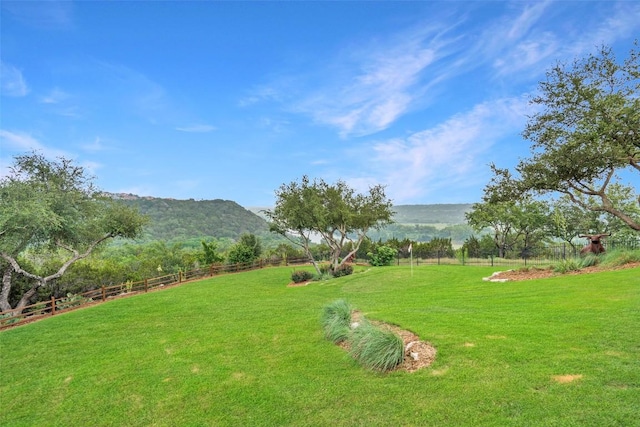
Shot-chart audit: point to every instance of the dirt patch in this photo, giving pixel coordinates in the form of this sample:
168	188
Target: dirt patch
542	273
296	285
417	354
564	379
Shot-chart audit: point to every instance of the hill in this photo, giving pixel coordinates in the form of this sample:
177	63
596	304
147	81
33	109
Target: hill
173	219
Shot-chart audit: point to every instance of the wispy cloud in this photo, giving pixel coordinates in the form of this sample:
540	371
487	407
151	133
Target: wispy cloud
446	154
200	128
367	86
624	22
526	44
94	146
12	81
51	14
56	96
24	142
381	83
137	92
91	166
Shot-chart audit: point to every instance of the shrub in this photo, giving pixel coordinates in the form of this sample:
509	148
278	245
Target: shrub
299	276
384	255
9	319
376	348
589	261
566	266
336	321
618	257
71	300
344	270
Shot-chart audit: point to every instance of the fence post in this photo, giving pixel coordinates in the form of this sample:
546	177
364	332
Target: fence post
53	306
180	276
146	285
104	295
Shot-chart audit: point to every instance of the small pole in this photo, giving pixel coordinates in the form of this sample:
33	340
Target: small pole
53	306
104	295
411	258
146	285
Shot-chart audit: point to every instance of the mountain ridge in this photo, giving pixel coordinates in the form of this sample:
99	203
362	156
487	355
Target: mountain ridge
184	219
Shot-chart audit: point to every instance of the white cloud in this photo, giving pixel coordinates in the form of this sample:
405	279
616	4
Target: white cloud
91	166
51	14
95	145
197	128
136	91
529	43
369	85
22	142
12	81
56	96
446	154
379	88
623	23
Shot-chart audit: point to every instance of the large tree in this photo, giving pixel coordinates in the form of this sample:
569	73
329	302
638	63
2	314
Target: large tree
514	224
334	212
51	208
587	134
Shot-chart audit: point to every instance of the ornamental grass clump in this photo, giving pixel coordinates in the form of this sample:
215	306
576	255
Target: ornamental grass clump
336	321
376	348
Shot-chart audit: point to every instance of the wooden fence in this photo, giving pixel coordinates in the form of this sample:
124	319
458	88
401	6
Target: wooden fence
55	306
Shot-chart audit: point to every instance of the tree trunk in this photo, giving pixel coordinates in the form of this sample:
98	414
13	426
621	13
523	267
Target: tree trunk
26	297
6	288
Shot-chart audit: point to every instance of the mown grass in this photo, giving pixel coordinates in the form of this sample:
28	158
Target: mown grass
244	349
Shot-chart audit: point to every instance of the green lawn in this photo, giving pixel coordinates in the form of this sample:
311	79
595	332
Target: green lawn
245	350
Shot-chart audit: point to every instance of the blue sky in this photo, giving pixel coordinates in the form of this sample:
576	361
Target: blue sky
229	100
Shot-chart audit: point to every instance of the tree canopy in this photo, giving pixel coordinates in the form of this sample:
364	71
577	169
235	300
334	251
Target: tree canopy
52	207
586	134
335	212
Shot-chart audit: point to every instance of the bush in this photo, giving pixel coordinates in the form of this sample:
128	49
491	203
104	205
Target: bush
589	261
376	348
336	321
71	300
344	270
619	257
566	266
384	255
299	276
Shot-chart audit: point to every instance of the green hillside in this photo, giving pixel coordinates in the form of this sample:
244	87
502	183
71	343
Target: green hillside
172	219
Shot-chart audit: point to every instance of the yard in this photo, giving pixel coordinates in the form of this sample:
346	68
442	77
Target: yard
246	349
